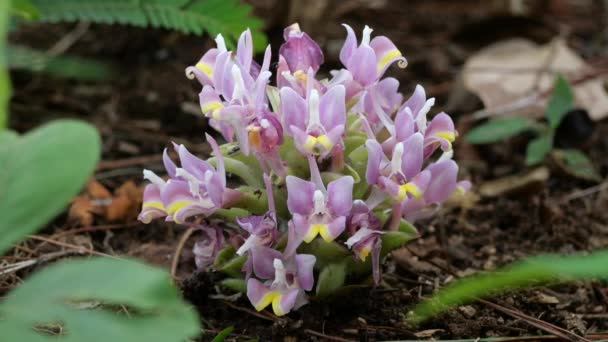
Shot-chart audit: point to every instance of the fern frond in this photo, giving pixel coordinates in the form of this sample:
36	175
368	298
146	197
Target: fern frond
228	17
25	58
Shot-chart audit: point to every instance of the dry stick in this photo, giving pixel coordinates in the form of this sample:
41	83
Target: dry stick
540	324
585	192
27	263
127	162
69	39
251	312
79	249
327	337
178	251
97	228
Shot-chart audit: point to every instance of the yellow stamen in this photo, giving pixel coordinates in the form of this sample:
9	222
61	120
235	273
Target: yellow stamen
388	57
205	69
255	138
408	188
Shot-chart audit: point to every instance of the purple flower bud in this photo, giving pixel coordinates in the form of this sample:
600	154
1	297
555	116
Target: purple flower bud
365	230
206	250
300	51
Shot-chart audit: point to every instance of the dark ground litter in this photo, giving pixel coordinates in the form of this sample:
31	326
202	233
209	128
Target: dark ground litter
152	102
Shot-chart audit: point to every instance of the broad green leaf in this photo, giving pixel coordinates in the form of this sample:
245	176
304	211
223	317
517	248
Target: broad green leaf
5	84
224	256
326	252
41	172
221	337
56	295
534	271
331	278
498	130
560	103
577	164
24	9
25	58
537	149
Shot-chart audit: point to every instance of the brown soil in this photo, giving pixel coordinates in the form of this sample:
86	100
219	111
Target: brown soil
152	102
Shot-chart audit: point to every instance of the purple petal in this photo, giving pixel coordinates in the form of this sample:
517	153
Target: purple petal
412	157
219	157
362	64
386	54
262	260
340	196
404	124
350	44
169	164
244	52
293	109
257	294
416	101
210	101
443	181
152	206
300	195
194	165
305	264
374	158
294	240
376	271
335	227
287	303
332	108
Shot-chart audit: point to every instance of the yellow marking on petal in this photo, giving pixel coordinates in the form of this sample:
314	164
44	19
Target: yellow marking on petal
449	136
364	253
313	232
176	207
310	143
325	142
154	204
205	68
276	305
387	58
255	139
266	300
211	107
408	188
325	234
301	76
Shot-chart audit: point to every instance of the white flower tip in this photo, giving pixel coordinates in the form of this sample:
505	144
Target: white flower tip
367	33
221	44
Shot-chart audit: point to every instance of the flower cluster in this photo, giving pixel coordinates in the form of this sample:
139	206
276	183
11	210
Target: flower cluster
326	171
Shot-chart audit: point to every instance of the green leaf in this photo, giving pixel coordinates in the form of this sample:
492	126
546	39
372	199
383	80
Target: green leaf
533	271
537	149
576	163
41	172
56	295
221	337
5	84
24	58
24	9
499	130
235	284
326	252
228	17
224	256
560	103
392	240
234	266
331	278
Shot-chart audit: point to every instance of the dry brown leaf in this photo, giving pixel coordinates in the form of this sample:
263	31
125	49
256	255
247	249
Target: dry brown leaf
509	71
97	190
81	211
126	202
118	209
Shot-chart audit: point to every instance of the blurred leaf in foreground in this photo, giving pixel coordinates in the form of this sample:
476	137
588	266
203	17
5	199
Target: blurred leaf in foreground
41	172
5	85
537	149
576	163
560	103
533	271
61	295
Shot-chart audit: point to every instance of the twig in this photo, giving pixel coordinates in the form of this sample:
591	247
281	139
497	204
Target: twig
178	250
251	312
69	39
127	162
584	192
327	337
79	249
97	228
540	324
27	263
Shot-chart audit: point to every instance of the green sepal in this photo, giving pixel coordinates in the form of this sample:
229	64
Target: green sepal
234	266
394	239
326	252
235	284
223	257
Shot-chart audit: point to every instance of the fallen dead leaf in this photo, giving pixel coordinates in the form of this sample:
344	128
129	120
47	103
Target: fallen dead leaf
512	70
81	211
97	190
523	184
427	333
